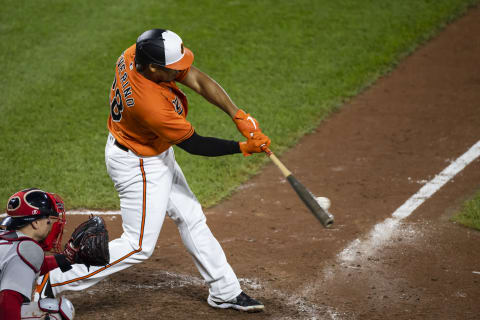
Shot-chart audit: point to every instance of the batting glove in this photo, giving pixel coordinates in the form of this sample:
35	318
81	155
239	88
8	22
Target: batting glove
246	124
256	144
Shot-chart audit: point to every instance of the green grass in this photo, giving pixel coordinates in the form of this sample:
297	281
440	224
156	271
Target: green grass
289	63
469	214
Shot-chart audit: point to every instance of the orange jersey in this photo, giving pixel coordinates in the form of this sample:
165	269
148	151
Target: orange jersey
145	116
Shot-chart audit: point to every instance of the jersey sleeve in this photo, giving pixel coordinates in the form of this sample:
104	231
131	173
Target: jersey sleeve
167	123
19	277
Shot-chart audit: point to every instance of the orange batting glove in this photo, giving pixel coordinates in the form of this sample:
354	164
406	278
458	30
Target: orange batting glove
246	124
255	144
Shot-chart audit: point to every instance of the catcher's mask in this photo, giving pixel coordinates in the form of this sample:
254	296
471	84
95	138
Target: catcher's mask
28	205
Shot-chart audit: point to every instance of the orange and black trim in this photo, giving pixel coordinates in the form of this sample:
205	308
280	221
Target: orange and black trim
140	241
39	288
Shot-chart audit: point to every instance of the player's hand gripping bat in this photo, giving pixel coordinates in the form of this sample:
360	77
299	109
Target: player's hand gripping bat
307	197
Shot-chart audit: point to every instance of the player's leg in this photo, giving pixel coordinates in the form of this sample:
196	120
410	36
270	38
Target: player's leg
208	255
143	186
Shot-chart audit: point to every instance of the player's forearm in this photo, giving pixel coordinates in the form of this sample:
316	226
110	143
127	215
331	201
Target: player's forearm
217	96
210	90
209	146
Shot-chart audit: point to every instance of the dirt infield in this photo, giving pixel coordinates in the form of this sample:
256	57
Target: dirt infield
369	158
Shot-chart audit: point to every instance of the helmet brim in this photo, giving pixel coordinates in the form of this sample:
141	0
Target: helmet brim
183	63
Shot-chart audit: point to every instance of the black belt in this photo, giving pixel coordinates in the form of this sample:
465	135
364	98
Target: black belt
121	146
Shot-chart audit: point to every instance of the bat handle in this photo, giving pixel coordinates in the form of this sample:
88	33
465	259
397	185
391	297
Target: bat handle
265	149
275	160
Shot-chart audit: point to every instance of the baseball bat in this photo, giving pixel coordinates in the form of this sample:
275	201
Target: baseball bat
325	218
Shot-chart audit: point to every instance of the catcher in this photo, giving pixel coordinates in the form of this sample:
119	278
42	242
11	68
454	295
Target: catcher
34	224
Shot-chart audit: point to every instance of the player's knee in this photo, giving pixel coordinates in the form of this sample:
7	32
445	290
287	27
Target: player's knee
192	222
140	253
198	225
145	252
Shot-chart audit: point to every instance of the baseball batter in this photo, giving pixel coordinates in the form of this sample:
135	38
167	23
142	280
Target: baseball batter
35	222
147	117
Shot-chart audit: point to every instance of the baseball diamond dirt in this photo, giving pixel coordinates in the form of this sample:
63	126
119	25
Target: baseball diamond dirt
369	158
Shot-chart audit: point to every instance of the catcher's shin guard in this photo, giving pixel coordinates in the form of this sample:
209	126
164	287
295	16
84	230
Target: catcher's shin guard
48	308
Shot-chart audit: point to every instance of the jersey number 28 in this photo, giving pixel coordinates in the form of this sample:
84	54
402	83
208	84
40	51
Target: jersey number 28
116	104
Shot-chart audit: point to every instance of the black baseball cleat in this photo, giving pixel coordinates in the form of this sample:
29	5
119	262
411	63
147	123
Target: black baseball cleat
242	302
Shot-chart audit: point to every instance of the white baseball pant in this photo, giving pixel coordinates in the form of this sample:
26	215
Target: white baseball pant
148	188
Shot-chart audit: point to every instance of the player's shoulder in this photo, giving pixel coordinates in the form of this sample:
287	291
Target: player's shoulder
131	50
127	56
31	253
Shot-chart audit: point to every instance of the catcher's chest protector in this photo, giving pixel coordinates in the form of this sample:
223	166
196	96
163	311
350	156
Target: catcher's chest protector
20	261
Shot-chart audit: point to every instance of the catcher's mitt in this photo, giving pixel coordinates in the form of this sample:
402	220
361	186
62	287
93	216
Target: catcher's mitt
88	244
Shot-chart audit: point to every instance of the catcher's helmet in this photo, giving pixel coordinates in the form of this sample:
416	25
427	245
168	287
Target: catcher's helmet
164	48
28	205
